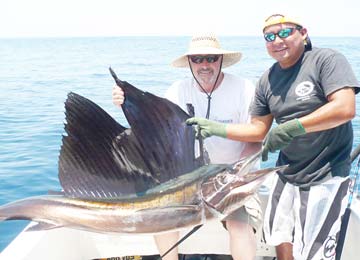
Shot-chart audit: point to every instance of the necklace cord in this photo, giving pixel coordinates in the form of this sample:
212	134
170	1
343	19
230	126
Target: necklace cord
213	88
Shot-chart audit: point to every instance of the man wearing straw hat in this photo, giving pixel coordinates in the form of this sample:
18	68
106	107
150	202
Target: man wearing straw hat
225	98
310	92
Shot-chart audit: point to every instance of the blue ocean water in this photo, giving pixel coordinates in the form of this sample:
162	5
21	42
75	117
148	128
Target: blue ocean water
37	74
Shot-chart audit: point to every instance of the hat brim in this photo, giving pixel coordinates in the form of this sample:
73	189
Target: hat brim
229	57
281	20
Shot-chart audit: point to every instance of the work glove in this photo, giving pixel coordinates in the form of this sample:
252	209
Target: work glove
280	136
207	127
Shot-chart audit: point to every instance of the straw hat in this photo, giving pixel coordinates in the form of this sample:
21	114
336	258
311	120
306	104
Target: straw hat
279	18
207	44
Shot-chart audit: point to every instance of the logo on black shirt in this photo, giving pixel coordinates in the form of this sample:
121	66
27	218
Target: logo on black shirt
304	89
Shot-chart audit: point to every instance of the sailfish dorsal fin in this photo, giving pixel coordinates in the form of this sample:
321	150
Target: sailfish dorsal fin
101	159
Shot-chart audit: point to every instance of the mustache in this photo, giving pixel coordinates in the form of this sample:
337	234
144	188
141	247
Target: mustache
205	70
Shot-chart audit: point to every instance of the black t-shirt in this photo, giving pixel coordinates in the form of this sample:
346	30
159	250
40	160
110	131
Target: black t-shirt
297	91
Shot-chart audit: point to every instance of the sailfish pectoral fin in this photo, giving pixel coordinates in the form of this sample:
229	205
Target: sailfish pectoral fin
177	208
246	164
42	226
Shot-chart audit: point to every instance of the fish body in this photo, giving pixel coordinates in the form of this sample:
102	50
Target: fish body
143	179
120	217
212	191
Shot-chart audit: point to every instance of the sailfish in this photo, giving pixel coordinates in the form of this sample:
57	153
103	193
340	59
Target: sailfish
141	179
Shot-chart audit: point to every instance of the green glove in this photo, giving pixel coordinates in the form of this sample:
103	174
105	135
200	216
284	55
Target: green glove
207	127
281	136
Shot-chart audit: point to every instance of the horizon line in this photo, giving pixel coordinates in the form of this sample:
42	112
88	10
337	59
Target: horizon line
157	36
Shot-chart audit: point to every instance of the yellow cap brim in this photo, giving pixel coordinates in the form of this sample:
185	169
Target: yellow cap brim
281	19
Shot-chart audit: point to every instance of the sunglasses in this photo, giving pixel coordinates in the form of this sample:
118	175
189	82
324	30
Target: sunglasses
209	58
283	33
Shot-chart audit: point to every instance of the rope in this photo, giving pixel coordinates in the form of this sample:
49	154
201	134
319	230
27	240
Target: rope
345	218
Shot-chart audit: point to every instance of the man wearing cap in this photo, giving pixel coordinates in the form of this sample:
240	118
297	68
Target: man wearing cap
310	92
224	98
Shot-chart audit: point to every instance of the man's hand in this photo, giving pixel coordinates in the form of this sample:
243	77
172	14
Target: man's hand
118	96
207	128
281	136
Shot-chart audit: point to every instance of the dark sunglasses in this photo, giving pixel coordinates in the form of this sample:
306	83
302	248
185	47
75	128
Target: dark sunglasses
283	33
209	58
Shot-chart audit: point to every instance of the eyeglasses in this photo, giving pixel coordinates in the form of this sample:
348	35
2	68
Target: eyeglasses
283	33
209	58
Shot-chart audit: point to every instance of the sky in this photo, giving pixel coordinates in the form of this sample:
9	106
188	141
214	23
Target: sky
79	18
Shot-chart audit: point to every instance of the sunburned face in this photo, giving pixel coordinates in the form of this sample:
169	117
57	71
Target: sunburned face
206	70
288	49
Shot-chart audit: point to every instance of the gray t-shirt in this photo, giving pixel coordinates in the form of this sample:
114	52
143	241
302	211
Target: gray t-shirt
297	91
